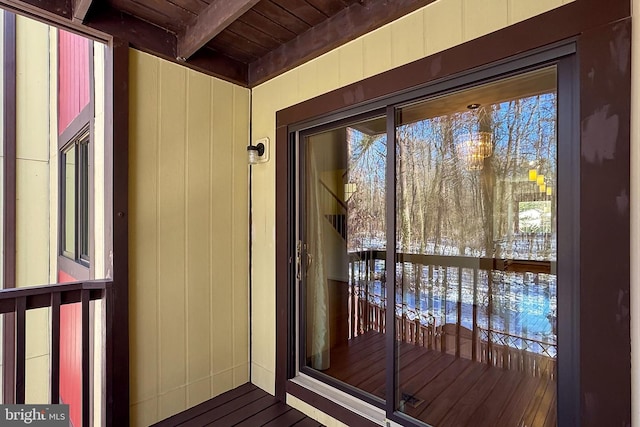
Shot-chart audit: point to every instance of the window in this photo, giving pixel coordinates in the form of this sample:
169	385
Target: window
427	252
74	199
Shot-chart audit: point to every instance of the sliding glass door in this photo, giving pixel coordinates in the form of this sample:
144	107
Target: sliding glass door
476	302
444	309
342	254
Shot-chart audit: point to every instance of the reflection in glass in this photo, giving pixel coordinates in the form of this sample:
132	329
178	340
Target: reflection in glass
342	253
475	296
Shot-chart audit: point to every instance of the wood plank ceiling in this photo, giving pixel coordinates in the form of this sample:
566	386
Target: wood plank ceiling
243	41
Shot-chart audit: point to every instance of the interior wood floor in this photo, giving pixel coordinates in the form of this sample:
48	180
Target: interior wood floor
444	390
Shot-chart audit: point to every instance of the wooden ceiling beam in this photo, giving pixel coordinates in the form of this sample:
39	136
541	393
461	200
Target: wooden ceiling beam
349	24
80	10
209	23
156	41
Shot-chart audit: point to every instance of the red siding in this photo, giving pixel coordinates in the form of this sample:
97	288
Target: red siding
73	77
71	355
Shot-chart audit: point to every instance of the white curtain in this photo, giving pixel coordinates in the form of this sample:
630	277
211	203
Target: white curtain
318	342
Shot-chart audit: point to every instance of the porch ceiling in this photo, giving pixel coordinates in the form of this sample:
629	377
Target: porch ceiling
243	41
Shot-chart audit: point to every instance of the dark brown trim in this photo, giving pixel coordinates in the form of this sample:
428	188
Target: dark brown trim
602	32
327	406
350	23
9	200
57	13
605	105
116	221
141	35
568	238
60	8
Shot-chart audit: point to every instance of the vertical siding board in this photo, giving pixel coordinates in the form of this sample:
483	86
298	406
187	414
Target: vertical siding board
443	25
198	227
329	72
484	17
171	237
222	218
377	51
407	38
263	218
351	64
240	234
143	204
308	80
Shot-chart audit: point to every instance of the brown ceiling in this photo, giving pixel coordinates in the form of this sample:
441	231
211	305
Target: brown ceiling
243	41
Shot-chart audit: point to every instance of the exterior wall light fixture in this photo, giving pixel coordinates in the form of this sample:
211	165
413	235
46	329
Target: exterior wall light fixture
258	152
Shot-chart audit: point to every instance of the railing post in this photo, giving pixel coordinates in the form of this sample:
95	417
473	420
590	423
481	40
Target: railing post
86	370
21	308
55	348
107	373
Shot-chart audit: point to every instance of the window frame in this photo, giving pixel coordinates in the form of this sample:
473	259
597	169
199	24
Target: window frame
76	133
562	56
80	144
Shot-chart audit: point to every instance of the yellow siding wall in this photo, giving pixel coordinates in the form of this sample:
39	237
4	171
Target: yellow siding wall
98	257
53	156
32	177
32	164
441	25
188	237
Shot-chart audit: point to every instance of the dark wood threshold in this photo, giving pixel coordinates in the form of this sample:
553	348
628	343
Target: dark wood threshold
246	406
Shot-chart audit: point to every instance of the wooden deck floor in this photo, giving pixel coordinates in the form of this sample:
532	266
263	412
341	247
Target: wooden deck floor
443	390
244	406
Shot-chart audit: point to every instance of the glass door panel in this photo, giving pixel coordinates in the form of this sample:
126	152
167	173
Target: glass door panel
342	255
475	290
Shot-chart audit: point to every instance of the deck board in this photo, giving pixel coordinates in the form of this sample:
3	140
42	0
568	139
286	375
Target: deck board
272	412
244	406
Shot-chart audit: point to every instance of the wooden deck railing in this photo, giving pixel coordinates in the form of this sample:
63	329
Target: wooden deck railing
16	302
486	345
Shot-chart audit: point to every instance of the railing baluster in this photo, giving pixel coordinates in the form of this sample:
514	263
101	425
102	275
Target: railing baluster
459	312
21	308
55	347
474	331
86	377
